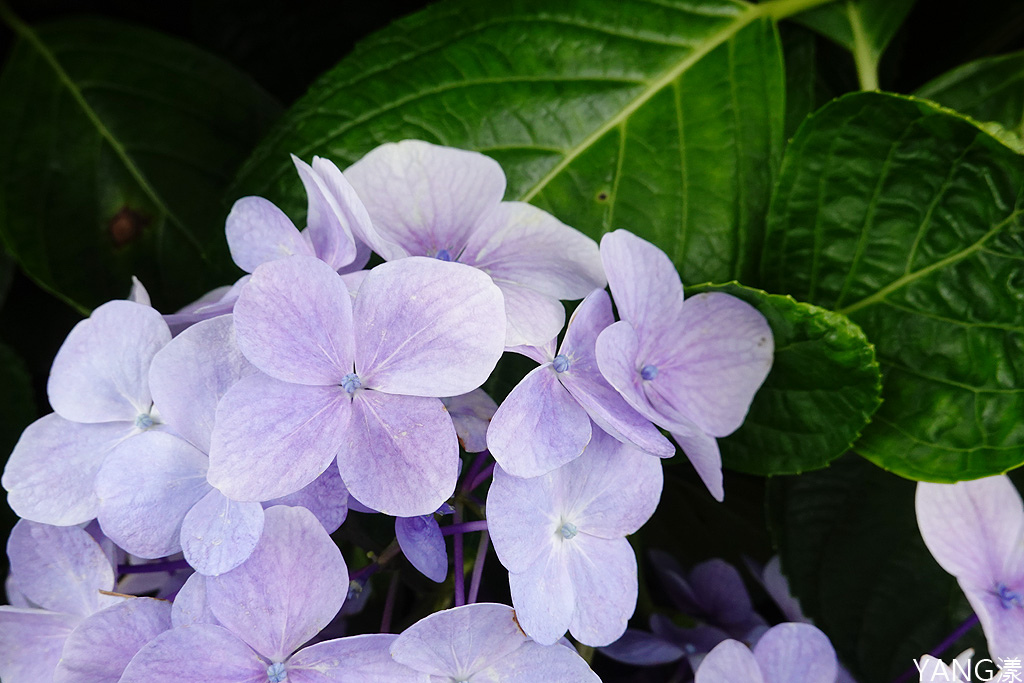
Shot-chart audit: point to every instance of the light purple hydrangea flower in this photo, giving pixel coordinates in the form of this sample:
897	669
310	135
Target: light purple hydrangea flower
427	200
358	380
471	414
483	643
555	403
562	538
691	367
422	543
975	531
787	653
99	390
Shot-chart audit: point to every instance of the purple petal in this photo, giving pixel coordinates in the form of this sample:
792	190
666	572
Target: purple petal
777	587
533	318
101	371
190	604
642	649
146	486
291	586
730	662
61	569
1000	620
604	579
427	328
643	281
258	231
99	649
796	653
350	213
544	595
356	659
723	598
31	641
538	427
51	473
189	376
423	545
535	662
521	244
423	198
471	413
702	450
293	321
400	453
326	497
273	438
460	641
218	533
332	243
521	518
202	652
138	293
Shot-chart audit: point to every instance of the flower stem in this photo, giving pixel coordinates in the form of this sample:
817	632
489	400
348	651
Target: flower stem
956	635
389	605
478	567
459	567
464	527
474	470
153	567
483	476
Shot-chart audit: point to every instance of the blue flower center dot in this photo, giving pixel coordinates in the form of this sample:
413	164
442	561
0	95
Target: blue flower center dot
649	372
276	673
568	530
560	363
143	421
443	255
351	382
1008	598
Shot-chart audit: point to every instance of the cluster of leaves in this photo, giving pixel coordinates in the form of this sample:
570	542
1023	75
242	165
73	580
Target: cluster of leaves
881	234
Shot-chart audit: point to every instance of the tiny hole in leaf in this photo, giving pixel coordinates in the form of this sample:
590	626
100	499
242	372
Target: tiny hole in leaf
602	196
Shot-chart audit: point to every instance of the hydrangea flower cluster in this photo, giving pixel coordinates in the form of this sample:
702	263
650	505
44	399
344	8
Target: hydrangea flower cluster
218	448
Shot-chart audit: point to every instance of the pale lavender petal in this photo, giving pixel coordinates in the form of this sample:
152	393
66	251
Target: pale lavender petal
712	361
400	454
218	533
1001	621
202	652
535	662
61	569
423	545
332	243
326	497
521	518
538	427
51	473
273	438
99	649
351	213
423	198
533	318
702	450
31	641
644	283
544	595
612	490
189	376
257	231
730	662
777	587
523	245
642	649
219	301
542	354
293	321
424	327
471	413
604	579
15	596
796	653
146	486
190	604
291	586
138	293
460	641
101	371
354	280
357	659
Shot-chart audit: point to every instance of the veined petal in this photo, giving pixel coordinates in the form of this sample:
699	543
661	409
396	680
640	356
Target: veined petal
356	659
218	533
521	518
616	352
702	451
1001	623
425	327
730	662
544	595
423	545
533	318
202	652
257	231
400	455
190	605
273	438
101	372
603	573
31	641
352	215
326	497
645	285
332	243
796	653
293	320
536	662
471	413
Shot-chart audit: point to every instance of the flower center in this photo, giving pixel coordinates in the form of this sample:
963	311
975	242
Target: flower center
276	673
351	382
649	372
1008	598
443	255
560	363
568	530
143	421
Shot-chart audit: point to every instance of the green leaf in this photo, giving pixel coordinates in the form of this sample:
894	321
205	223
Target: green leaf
116	144
907	218
864	27
823	387
854	557
665	118
17	408
989	90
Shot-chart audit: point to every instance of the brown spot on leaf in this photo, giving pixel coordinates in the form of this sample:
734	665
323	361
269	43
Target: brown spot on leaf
126	225
602	196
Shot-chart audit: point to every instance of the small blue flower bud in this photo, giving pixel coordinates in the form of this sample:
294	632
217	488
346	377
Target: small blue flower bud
568	530
649	372
443	255
351	382
1008	598
276	673
560	363
143	421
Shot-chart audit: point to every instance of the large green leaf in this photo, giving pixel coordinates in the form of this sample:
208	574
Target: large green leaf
850	546
665	118
116	144
823	387
907	218
17	408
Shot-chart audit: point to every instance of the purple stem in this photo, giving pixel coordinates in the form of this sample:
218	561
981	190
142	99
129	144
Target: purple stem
484	475
460	568
153	567
478	567
389	605
475	468
464	527
956	635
